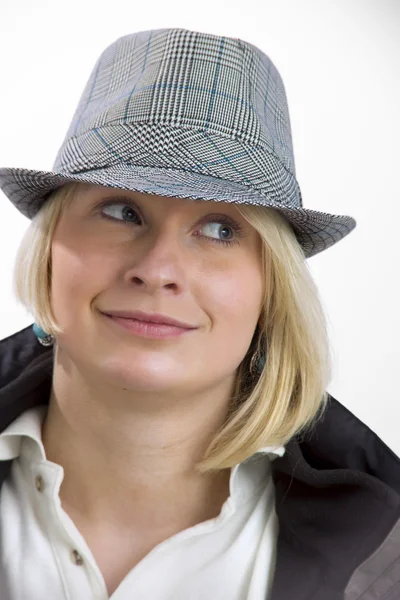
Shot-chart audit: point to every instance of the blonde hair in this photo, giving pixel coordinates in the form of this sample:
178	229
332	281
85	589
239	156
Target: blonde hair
266	409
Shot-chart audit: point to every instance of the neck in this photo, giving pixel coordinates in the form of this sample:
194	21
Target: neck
128	456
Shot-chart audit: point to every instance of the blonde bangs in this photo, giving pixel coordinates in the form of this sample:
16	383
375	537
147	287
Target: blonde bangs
32	268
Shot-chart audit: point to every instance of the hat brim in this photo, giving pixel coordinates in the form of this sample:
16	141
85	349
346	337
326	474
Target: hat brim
315	231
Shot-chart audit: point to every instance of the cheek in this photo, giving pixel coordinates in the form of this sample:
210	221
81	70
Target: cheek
234	300
75	280
234	310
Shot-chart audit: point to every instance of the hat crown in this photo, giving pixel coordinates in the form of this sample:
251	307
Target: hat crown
167	84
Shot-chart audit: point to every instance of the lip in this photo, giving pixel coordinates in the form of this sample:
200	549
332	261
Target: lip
149	318
146	329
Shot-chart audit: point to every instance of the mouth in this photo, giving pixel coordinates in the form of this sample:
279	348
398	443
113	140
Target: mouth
159	319
147	325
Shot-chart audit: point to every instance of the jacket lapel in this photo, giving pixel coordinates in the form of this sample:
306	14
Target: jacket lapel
337	499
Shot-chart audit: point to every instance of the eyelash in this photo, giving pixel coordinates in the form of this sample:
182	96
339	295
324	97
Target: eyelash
223	220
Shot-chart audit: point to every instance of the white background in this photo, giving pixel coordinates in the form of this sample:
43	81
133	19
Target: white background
340	64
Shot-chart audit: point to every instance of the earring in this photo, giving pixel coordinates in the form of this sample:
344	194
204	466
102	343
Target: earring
44	338
261	362
259	358
257	363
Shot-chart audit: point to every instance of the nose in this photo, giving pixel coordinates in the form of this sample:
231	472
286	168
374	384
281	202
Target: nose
158	262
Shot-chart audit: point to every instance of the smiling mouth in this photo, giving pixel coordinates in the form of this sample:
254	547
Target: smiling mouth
148	329
139	315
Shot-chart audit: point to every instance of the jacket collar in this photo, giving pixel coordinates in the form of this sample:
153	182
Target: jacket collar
337	490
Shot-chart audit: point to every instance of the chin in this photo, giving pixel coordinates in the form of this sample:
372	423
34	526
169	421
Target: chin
140	374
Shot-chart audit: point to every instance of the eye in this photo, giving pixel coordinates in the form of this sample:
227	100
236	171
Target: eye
221	229
116	210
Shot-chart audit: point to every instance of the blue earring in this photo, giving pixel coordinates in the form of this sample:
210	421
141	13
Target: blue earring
44	338
261	363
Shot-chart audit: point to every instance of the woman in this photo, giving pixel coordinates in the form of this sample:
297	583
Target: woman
165	426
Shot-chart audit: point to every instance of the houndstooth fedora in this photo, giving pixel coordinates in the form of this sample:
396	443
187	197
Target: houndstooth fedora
183	114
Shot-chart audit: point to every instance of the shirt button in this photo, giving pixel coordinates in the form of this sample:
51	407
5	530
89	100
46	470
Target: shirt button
76	558
39	482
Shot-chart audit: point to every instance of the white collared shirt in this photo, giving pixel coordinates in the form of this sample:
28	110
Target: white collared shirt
43	554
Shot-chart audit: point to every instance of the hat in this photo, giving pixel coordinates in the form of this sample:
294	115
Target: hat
183	114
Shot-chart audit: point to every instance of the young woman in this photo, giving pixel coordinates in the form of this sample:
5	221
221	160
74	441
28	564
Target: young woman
165	426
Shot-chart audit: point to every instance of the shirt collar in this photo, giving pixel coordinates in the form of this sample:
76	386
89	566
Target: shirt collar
24	435
28	424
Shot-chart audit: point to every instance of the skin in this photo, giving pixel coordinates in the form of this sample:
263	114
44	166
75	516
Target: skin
128	416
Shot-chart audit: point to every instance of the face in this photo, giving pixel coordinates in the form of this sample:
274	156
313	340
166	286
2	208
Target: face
197	262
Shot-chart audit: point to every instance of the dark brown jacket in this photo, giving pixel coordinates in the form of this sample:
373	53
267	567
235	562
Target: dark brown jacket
337	492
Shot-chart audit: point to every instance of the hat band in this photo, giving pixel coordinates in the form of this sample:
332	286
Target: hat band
180	149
